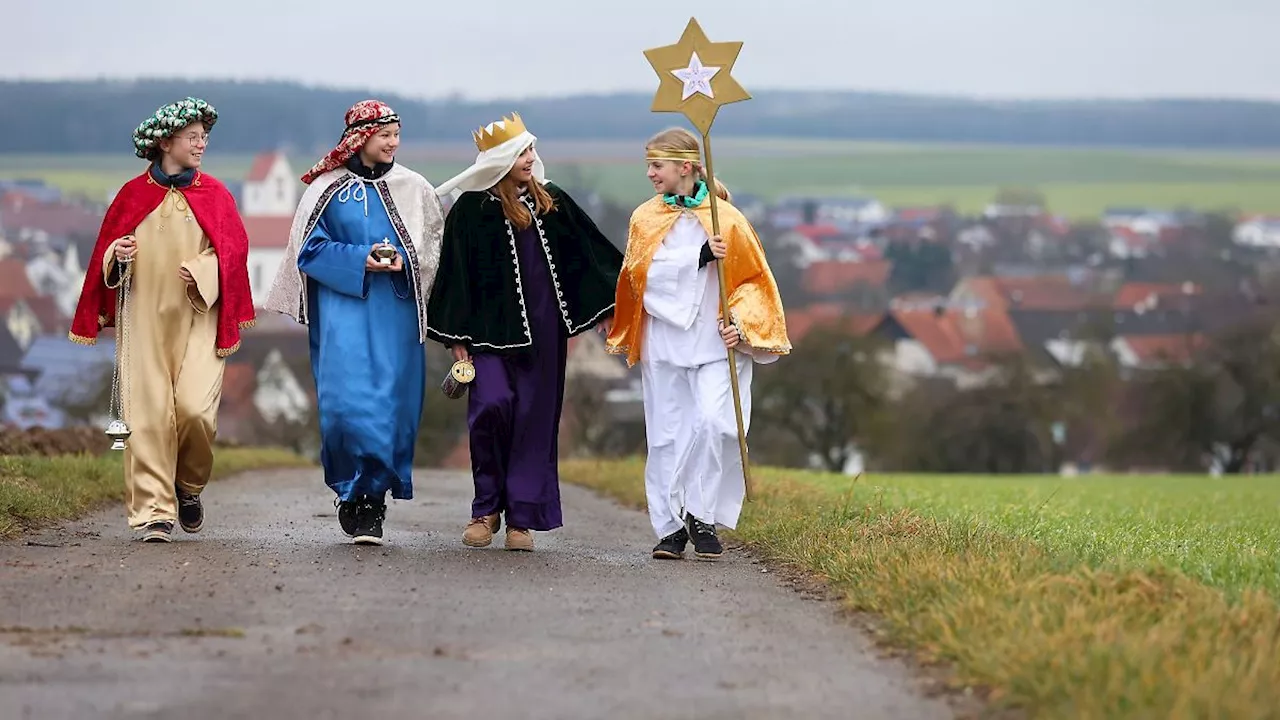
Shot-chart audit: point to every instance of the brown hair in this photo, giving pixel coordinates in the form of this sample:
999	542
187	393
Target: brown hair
508	192
677	139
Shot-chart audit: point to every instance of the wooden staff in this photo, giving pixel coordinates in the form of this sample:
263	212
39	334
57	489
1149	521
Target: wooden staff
695	78
724	309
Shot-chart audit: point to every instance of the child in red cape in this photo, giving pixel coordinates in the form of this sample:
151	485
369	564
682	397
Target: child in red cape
173	242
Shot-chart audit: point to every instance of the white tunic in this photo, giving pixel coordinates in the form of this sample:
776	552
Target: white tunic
682	301
694	464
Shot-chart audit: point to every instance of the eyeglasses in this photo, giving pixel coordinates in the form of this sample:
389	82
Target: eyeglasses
196	138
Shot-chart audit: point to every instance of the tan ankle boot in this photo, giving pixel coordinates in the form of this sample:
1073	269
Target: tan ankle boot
479	532
519	539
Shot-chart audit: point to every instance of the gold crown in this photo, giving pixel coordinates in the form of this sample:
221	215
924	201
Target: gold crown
496	133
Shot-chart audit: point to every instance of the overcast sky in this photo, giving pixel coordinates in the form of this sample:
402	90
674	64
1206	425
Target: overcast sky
508	49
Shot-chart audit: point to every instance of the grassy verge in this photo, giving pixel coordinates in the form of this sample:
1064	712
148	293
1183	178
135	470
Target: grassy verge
36	491
1108	597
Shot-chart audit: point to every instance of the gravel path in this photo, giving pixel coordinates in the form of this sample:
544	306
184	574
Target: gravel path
271	613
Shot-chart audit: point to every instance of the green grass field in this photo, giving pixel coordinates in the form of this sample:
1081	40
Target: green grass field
1222	532
1078	183
1066	597
38	491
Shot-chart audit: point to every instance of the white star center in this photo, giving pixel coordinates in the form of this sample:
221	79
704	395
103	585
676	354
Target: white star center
696	78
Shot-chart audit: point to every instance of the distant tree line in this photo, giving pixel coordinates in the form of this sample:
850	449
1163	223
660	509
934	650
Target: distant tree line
93	117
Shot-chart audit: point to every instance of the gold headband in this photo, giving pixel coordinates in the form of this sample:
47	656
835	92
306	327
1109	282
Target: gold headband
674	155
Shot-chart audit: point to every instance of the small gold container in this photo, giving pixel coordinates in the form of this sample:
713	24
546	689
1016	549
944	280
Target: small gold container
459	377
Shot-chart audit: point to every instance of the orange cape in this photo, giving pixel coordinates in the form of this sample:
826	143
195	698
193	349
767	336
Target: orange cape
754	303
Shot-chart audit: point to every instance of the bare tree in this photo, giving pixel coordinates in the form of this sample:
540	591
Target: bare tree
826	397
1213	408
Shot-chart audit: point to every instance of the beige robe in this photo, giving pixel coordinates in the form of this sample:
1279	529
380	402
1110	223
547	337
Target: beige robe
171	376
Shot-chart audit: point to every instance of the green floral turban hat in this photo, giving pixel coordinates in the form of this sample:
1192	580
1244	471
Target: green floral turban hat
168	120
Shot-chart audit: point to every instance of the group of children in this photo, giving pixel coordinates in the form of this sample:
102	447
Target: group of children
375	268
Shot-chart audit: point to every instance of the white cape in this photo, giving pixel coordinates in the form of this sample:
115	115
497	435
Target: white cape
415	211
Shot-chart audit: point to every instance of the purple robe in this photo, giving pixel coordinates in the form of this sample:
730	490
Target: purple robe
514	408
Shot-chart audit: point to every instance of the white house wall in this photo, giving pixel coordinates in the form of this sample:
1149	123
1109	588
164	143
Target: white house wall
22	324
275	196
1258	234
911	358
263	265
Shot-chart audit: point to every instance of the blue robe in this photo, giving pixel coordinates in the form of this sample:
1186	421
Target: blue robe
366	358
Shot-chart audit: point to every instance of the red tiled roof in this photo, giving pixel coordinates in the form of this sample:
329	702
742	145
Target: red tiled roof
1051	292
1159	349
261	166
833	276
801	321
51	319
817	232
13	280
933	331
1044	292
1131	294
268	232
1132	238
950	336
19	211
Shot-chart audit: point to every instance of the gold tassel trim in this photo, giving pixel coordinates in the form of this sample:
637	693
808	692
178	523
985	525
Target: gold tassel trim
81	340
775	351
222	353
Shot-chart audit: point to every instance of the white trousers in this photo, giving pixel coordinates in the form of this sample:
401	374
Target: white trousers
694	463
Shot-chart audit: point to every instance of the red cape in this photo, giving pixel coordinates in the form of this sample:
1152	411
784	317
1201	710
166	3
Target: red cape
215	211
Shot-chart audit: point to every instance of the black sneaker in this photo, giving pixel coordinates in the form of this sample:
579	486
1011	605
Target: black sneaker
190	512
347	516
672	546
158	532
369	517
705	542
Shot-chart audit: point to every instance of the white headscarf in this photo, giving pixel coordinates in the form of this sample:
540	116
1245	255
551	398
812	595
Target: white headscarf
492	165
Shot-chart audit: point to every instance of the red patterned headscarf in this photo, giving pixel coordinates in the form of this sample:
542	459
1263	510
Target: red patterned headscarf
364	120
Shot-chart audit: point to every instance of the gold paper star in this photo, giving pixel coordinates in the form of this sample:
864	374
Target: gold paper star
695	76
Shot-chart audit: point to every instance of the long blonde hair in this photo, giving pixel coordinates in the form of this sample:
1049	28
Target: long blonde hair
677	139
508	192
